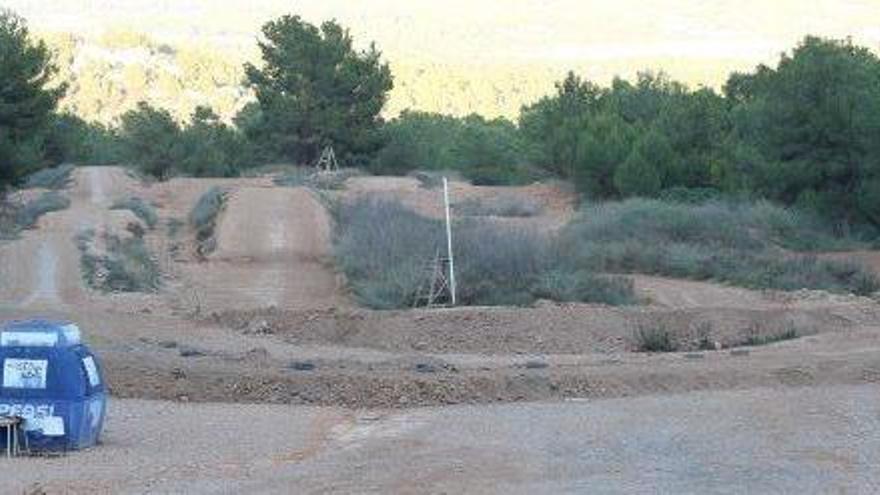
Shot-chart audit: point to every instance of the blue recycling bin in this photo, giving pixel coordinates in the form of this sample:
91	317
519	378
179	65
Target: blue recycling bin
53	381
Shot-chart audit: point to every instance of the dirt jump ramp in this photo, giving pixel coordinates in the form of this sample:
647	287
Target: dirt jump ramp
273	249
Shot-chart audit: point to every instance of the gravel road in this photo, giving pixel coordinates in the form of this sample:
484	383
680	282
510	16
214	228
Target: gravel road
801	440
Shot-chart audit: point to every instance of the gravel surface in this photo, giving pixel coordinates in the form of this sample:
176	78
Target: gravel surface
805	441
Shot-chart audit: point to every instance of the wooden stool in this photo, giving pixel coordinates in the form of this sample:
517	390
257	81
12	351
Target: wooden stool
11	424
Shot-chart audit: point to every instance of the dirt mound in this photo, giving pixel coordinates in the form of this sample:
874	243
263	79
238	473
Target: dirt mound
555	328
273	249
553	202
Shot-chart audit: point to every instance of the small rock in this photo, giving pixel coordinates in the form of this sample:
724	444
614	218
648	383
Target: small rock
420	346
259	327
536	365
178	374
191	352
302	366
426	368
257	354
167	344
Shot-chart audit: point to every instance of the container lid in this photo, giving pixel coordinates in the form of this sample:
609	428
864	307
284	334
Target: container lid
39	333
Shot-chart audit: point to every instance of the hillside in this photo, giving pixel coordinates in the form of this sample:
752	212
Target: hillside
454	58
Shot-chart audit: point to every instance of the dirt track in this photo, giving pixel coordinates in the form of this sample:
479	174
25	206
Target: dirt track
273	250
42	269
805	440
316	348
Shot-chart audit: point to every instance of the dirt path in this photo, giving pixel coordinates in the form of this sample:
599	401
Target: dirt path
273	250
42	270
804	440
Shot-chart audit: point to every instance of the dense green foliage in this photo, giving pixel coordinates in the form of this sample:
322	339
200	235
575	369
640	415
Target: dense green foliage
71	139
484	151
315	90
27	101
803	133
160	147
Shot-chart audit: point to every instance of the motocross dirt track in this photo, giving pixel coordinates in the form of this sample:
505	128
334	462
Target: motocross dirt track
273	250
265	319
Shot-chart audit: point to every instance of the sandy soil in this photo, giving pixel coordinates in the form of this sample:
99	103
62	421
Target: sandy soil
803	440
42	269
316	348
273	250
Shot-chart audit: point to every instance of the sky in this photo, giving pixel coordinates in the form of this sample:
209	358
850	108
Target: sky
698	42
551	31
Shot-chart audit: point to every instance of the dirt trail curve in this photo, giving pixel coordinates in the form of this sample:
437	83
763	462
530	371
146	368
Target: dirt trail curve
273	249
42	270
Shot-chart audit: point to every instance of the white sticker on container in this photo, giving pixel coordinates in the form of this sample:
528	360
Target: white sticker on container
28	339
91	371
25	373
51	426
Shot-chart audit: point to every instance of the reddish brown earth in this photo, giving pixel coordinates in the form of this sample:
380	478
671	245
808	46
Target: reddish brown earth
265	317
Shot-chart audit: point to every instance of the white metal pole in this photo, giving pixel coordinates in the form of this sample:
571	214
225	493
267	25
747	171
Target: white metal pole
449	241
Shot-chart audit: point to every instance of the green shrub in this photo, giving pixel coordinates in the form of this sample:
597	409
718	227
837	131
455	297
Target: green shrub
564	286
757	336
486	152
385	249
127	266
28	215
203	218
386	252
308	177
739	243
654	338
500	206
143	210
50	178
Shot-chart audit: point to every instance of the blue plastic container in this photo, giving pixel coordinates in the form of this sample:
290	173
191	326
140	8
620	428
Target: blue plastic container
52	381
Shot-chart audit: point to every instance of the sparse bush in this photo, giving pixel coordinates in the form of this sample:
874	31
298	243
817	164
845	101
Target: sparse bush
386	252
203	218
739	243
143	210
174	227
654	338
30	213
50	178
498	264
756	335
127	265
507	205
563	286
308	177
430	179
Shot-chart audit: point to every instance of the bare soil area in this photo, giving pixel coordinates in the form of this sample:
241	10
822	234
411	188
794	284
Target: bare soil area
762	440
264	322
266	319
